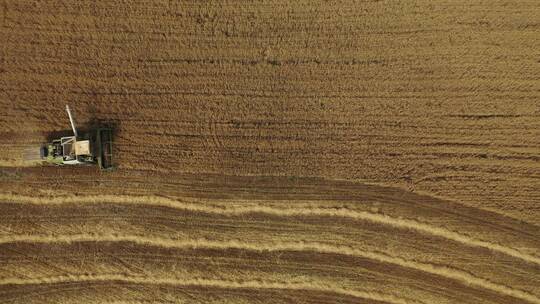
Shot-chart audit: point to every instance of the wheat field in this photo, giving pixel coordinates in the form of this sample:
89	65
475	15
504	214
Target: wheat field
273	151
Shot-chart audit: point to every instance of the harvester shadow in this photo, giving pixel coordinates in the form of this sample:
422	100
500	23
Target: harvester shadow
97	121
93	124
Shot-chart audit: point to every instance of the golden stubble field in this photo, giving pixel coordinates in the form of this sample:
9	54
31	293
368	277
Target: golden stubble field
274	152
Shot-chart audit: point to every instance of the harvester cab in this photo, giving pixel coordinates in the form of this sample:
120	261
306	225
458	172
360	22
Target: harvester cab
90	148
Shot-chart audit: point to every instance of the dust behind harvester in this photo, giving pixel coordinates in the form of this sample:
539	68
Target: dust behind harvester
89	148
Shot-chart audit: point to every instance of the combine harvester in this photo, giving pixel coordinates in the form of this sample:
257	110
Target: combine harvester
90	148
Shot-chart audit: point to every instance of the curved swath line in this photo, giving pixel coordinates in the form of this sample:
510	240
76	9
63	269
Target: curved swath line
226	284
281	211
443	271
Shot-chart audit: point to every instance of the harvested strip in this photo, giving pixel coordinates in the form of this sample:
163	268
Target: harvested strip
314	286
236	210
447	272
351	272
160	222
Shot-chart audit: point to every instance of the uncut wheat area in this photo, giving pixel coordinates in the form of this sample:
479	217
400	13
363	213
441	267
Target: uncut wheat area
272	152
